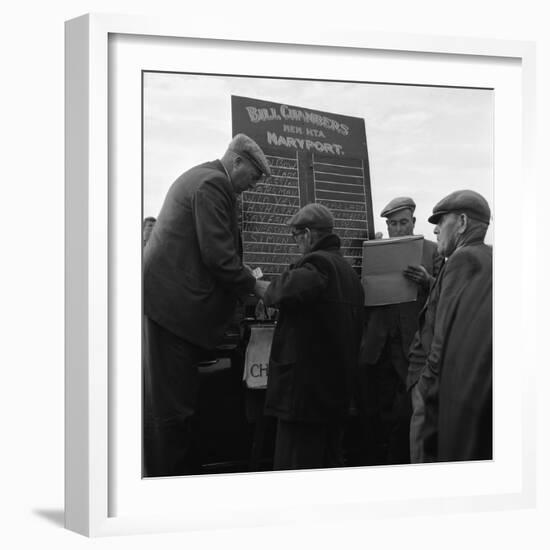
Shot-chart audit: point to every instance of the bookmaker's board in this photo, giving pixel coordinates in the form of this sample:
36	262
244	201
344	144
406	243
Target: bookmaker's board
314	157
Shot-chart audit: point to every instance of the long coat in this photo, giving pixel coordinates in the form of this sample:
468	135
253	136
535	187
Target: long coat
316	343
192	270
456	382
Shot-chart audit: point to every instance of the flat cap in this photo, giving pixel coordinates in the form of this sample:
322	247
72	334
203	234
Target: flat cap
246	147
399	203
467	201
314	216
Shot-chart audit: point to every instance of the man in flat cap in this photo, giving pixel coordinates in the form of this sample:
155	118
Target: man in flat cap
148	224
315	347
193	276
384	401
453	346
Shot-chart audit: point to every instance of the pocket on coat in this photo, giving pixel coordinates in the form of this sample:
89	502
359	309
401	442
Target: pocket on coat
201	283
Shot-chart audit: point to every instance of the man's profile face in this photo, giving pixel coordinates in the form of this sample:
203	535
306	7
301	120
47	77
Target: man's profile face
400	223
302	237
244	175
447	234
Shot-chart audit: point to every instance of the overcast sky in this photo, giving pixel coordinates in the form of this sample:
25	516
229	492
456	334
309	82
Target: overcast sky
423	142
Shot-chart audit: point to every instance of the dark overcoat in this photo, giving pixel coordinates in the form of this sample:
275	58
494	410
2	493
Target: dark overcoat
192	270
456	381
316	342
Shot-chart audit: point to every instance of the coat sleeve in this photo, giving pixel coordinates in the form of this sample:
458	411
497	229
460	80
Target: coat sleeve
296	287
213	216
454	279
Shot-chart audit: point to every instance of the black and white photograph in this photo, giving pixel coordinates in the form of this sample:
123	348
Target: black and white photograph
316	274
248	279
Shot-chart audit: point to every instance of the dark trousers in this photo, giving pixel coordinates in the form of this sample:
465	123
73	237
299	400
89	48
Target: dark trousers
300	445
170	396
385	408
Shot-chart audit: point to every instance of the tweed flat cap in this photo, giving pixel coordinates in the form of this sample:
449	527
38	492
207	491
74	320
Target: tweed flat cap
314	216
246	147
469	202
399	203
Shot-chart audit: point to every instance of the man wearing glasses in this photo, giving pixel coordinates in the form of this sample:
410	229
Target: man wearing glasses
193	276
315	347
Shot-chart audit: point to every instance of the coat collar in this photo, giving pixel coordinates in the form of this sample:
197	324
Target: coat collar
328	242
219	165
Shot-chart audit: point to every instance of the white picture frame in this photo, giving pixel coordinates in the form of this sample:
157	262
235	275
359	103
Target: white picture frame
99	500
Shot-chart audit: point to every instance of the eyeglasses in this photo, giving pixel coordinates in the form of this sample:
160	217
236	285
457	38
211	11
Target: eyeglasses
296	234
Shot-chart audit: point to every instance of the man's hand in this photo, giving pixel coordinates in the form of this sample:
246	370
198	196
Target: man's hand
419	275
260	288
257	272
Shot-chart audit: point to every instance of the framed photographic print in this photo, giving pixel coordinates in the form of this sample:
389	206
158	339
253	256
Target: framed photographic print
349	119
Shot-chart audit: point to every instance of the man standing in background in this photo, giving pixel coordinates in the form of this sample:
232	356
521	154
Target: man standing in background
148	224
193	276
384	403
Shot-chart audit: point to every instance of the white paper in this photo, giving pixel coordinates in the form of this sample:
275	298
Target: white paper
384	261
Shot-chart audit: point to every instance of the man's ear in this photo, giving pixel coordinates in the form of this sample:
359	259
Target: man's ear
237	161
462	223
414	220
387	222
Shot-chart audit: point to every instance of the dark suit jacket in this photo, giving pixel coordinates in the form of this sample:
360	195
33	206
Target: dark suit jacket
192	271
398	320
